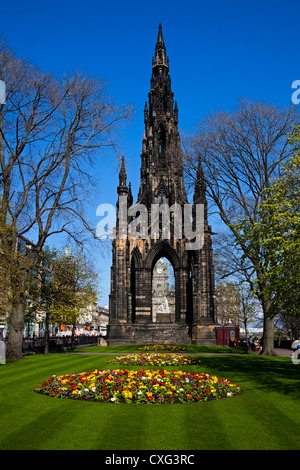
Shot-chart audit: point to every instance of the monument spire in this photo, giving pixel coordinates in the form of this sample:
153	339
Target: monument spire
122	188
160	49
135	315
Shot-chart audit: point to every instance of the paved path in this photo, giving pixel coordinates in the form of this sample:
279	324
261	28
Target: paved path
284	352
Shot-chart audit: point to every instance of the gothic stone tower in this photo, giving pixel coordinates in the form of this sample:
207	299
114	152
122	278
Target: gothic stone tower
131	316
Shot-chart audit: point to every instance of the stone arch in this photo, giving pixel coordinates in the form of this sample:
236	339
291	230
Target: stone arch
136	257
135	265
162	249
161	194
190	289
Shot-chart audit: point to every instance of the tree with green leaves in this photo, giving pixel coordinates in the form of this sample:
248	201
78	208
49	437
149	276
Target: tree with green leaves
75	282
241	153
274	239
66	285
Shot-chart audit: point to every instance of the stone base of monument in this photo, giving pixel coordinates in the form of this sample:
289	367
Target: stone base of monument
163	318
161	333
204	335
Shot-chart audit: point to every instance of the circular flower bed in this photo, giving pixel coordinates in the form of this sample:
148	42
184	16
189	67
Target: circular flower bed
154	359
146	386
163	347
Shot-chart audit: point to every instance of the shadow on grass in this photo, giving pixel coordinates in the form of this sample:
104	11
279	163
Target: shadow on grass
269	373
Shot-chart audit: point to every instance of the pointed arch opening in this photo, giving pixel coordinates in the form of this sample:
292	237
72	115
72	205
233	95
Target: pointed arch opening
135	267
133	289
190	293
163	291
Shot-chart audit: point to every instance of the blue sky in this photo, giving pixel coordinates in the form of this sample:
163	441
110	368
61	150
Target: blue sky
219	51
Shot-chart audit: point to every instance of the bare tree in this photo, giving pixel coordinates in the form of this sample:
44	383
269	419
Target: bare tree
51	131
289	326
228	260
241	153
250	310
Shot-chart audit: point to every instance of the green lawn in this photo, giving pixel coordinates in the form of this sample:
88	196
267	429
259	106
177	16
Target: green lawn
136	348
265	416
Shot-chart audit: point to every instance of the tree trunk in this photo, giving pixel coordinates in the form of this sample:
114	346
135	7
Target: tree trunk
46	346
73	337
18	282
15	339
268	341
268	335
246	329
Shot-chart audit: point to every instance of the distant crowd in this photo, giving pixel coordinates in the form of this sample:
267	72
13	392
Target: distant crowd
253	344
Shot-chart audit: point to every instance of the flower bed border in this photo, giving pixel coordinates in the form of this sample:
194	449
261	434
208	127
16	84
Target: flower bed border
155	359
139	387
163	347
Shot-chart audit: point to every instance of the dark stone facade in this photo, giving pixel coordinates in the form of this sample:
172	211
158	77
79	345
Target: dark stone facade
161	182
